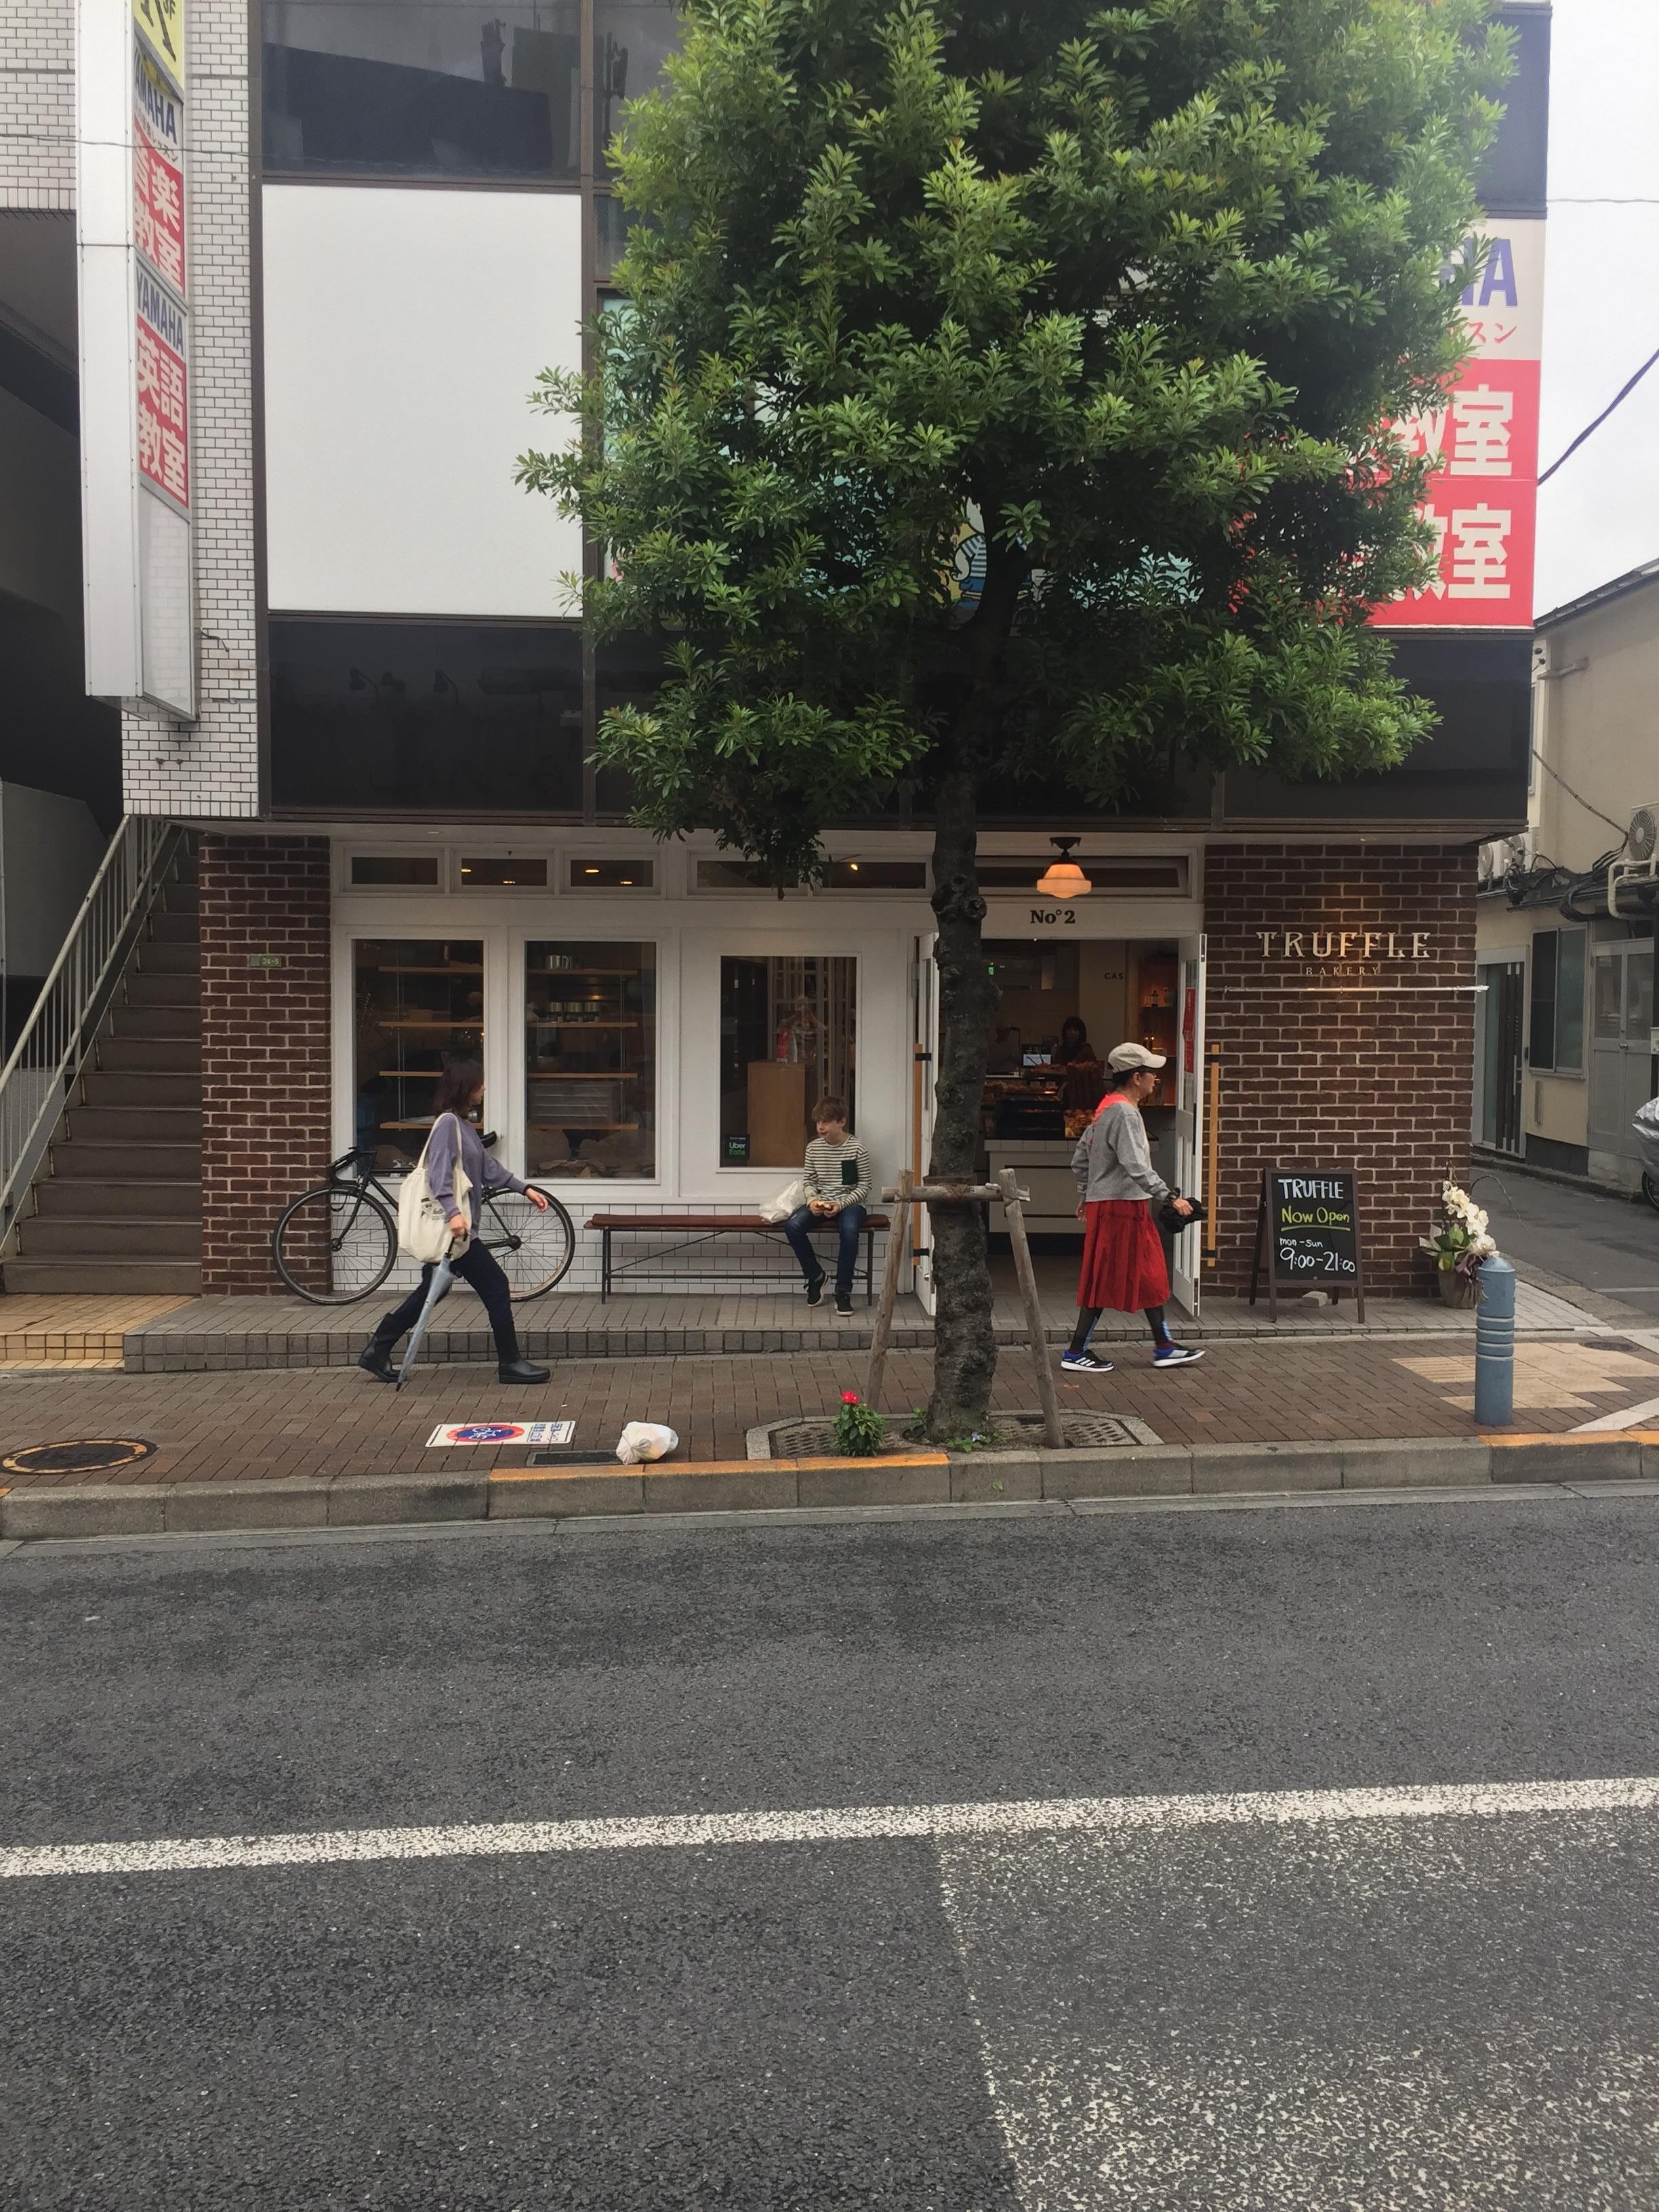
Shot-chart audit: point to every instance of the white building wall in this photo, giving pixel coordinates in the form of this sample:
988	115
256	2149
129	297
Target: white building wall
37	104
404	330
211	768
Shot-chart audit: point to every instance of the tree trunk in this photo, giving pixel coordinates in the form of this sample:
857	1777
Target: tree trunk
965	1355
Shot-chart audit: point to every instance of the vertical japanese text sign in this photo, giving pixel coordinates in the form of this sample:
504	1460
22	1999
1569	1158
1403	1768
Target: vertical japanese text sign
132	227
1482	499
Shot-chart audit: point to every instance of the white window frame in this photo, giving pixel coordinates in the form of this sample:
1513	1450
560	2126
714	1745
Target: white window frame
665	1100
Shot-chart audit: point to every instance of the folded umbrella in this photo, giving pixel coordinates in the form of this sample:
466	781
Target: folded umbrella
442	1276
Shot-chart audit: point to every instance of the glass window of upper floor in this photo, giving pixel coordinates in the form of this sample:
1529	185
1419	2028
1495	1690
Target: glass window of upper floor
394	87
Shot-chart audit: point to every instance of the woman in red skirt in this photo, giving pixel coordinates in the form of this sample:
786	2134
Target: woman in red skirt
1123	1264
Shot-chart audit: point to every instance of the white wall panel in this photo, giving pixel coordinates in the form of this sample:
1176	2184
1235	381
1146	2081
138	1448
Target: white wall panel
404	329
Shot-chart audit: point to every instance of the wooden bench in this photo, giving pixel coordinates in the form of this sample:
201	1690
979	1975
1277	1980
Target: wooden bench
694	1229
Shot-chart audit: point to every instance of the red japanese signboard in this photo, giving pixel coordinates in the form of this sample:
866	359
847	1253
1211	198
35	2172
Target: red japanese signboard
158	176
1482	500
163	392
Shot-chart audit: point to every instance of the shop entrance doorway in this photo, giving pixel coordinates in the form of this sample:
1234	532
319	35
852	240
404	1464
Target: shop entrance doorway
1065	1002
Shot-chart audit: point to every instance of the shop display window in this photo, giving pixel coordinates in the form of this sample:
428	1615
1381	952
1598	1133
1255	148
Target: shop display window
733	875
418	1005
788	1034
503	871
590	1060
377	88
394	870
876	876
588	875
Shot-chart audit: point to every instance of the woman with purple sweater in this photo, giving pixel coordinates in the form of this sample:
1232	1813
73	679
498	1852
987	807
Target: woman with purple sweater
455	1137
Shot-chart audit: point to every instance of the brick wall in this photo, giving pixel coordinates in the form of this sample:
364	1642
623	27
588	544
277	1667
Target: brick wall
265	1047
1319	1066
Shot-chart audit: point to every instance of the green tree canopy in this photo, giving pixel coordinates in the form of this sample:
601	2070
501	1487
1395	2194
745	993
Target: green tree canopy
1137	291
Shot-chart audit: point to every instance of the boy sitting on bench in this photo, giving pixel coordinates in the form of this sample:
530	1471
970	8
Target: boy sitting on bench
836	1178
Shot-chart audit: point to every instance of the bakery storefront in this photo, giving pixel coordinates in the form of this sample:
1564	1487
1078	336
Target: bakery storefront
655	1023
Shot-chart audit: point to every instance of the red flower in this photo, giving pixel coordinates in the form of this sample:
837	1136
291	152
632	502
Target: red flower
849	1397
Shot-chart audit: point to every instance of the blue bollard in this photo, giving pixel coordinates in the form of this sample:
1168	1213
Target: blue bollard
1494	1344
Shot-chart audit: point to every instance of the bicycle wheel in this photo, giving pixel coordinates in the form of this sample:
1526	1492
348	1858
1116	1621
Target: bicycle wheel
1651	1190
335	1245
534	1249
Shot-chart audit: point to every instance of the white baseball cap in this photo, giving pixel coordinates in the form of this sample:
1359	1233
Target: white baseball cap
1122	1056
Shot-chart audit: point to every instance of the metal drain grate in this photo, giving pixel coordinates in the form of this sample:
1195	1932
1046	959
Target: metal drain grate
85	1455
1080	1432
571	1458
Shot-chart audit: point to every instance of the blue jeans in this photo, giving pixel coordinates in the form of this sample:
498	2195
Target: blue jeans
848	1223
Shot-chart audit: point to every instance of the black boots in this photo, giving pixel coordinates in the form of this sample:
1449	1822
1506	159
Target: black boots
375	1357
512	1366
520	1369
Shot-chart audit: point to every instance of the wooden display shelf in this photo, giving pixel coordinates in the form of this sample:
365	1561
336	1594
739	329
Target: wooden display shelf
556	1022
580	1121
457	968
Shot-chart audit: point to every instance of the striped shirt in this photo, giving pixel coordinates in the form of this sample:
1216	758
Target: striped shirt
825	1174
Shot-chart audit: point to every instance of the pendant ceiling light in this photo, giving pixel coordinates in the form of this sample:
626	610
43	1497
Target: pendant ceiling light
1063	878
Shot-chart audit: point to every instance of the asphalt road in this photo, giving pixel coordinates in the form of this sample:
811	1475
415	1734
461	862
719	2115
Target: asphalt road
1337	2007
1605	1243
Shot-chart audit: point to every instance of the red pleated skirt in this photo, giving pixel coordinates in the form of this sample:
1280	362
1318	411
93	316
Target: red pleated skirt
1123	1264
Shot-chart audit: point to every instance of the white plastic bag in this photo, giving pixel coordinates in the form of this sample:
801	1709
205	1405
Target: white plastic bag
645	1440
781	1207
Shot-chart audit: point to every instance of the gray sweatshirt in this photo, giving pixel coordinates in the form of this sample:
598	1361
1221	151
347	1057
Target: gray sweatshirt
1113	1160
448	1132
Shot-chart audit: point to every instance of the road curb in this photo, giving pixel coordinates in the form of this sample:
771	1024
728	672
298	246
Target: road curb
745	1486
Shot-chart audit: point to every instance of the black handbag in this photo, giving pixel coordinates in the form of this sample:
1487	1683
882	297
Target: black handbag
1172	1223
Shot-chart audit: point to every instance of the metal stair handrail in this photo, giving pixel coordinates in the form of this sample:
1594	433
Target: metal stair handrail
37	1081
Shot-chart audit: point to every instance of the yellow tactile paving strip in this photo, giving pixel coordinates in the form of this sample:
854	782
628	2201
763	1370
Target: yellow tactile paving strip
73	1332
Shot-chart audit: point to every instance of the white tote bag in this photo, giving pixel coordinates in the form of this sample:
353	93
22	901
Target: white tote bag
423	1230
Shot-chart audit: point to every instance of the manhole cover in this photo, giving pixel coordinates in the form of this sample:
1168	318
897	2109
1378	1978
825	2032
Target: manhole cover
85	1455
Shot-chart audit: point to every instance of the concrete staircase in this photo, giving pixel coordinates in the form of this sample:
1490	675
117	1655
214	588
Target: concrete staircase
117	1206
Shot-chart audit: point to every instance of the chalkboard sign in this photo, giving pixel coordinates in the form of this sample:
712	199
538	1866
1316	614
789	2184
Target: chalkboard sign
1307	1235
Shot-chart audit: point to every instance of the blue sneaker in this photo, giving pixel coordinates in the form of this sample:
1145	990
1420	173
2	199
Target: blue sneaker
1084	1362
1174	1355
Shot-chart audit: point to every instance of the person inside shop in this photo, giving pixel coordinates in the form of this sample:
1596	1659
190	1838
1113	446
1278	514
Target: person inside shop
1074	1048
1084	1082
457	1105
837	1181
1123	1262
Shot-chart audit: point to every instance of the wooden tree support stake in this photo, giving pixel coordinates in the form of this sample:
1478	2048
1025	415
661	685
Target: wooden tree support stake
1007	1192
898	1230
1014	1210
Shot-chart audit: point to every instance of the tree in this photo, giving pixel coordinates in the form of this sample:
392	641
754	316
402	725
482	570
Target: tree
1136	289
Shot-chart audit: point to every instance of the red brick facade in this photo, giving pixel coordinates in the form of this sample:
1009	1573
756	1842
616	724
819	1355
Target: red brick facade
265	1058
1338	992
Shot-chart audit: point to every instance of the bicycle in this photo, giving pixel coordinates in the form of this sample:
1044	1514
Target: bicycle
337	1244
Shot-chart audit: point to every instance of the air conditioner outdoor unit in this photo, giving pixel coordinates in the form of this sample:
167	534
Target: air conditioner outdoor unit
1639	866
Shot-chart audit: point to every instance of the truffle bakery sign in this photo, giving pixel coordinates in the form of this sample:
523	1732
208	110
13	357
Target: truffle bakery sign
1336	956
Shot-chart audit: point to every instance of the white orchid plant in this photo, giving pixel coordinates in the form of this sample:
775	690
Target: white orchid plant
1462	1242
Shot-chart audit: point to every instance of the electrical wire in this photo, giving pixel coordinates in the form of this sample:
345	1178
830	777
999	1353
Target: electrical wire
1618	400
1624	833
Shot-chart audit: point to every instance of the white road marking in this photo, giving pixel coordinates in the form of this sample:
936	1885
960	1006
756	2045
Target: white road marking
1627	1417
860	1824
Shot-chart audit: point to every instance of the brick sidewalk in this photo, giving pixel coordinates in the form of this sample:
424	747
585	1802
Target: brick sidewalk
259	1426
